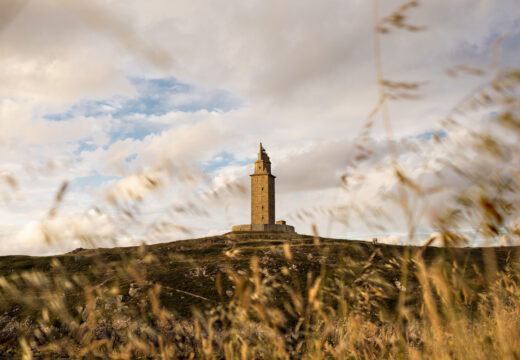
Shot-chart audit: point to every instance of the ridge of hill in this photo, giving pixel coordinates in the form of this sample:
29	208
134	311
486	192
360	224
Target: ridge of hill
130	285
187	269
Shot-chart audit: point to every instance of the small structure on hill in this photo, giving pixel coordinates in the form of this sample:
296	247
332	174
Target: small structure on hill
263	199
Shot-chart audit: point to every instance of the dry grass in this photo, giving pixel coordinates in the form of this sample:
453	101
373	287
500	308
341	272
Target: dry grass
286	298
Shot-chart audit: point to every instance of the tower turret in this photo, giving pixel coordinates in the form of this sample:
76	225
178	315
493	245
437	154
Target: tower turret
263	164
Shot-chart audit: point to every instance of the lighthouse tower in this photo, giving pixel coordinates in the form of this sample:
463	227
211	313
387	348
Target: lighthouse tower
263	199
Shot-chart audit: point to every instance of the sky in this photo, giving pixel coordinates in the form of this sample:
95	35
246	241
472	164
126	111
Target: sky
151	113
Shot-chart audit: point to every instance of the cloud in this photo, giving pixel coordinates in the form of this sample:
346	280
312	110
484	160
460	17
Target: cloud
101	20
19	125
9	9
392	240
62	233
135	187
101	93
49	60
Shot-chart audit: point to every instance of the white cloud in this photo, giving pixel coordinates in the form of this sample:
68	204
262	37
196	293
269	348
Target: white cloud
62	233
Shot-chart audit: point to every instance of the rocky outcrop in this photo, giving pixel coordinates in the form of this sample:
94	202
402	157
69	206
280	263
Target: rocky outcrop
9	328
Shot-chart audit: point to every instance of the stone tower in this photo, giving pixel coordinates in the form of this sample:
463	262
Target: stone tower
262	190
262	199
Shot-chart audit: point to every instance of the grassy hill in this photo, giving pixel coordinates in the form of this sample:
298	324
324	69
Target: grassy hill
188	269
206	281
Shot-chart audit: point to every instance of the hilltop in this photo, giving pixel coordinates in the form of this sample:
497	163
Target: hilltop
187	269
199	275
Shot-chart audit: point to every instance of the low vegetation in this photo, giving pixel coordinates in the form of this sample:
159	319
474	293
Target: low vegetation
262	296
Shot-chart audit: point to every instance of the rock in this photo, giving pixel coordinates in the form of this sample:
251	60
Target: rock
331	261
123	298
4	320
134	290
110	304
102	331
9	329
120	324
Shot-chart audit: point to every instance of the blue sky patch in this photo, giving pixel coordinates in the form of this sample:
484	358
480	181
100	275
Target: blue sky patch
155	97
429	135
224	159
94	181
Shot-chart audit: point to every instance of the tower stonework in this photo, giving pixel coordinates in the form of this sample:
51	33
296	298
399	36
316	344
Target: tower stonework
262	190
263	199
